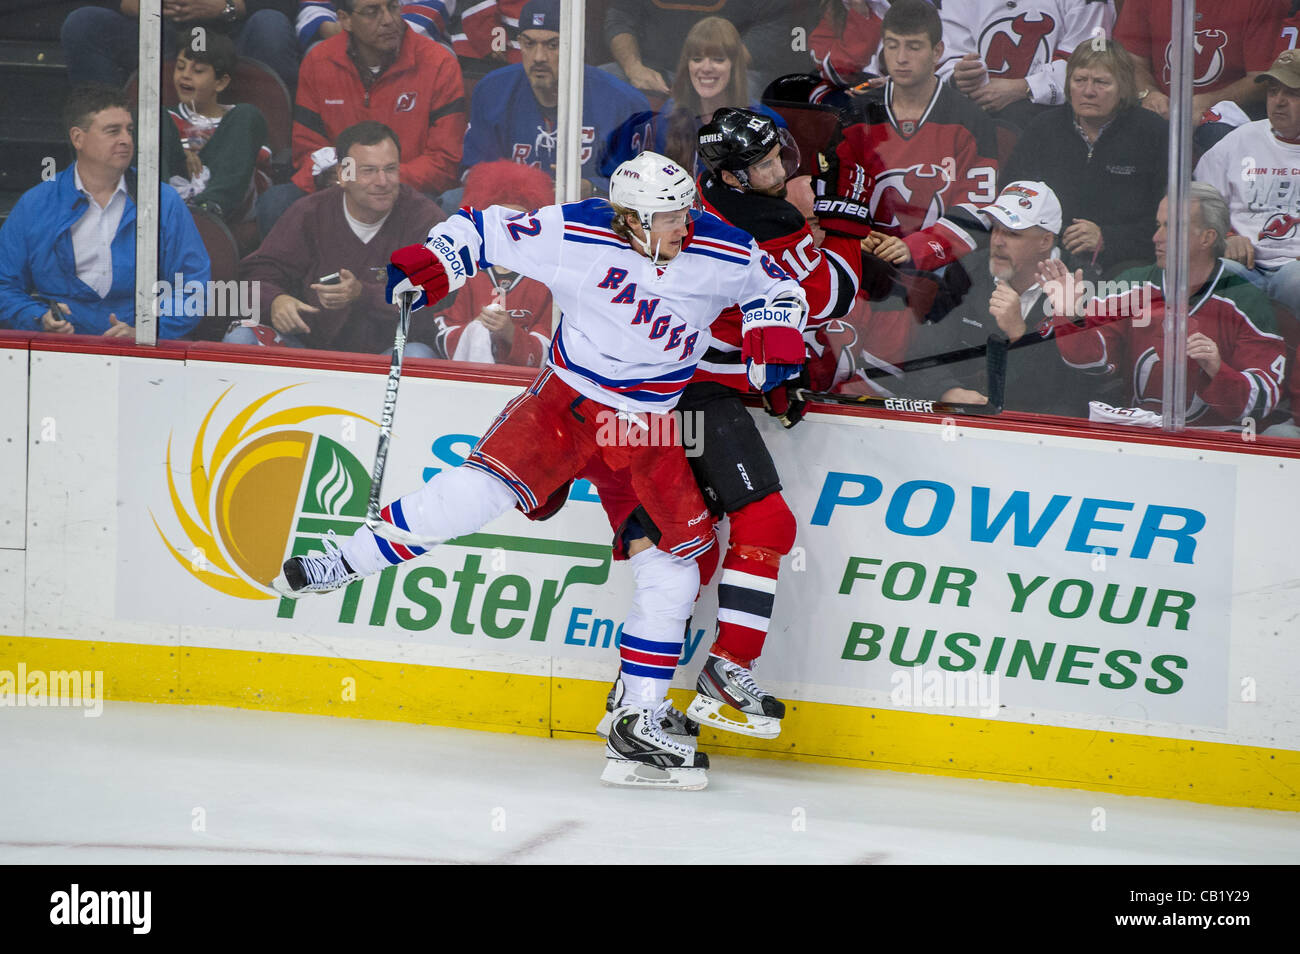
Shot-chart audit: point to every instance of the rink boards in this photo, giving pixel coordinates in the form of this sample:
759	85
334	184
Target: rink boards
990	599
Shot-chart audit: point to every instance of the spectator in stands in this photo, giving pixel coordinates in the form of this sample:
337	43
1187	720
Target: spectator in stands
646	36
323	268
1105	157
487	34
67	250
376	69
498	316
210	150
995	293
847	39
1011	61
927	149
711	73
1236	368
102	46
513	110
318	20
1234	43
1257	169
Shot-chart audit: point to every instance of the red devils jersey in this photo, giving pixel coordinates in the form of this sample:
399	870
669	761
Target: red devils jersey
829	275
1233	38
1024	39
527	301
1252	372
915	173
484	27
1289	34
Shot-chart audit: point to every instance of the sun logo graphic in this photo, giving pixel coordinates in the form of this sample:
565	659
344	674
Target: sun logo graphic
261	484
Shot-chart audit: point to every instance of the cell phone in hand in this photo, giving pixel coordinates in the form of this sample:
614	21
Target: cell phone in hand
333	278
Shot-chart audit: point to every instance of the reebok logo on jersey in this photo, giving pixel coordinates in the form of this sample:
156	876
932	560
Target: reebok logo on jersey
333	102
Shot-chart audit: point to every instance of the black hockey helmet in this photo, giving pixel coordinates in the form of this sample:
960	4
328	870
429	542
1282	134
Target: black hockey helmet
737	138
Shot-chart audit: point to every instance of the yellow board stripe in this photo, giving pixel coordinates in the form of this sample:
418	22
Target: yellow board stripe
931	743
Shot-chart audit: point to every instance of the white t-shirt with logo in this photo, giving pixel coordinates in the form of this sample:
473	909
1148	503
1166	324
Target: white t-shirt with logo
1259	176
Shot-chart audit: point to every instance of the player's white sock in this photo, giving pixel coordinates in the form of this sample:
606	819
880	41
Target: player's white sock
652	635
454	502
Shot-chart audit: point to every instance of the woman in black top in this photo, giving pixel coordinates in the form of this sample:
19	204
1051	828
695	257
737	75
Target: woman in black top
1104	156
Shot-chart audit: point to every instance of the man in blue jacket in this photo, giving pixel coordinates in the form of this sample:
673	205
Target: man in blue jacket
513	112
67	250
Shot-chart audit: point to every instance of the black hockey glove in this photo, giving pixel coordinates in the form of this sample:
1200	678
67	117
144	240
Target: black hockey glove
841	191
781	403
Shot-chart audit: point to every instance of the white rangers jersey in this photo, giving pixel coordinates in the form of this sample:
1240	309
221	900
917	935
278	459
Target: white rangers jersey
1259	176
1023	39
630	332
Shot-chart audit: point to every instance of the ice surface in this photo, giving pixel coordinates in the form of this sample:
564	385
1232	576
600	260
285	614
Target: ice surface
134	785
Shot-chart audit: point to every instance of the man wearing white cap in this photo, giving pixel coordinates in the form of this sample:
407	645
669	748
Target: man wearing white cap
995	292
1256	168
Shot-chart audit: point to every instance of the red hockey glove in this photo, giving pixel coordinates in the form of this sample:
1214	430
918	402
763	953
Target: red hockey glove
415	268
771	343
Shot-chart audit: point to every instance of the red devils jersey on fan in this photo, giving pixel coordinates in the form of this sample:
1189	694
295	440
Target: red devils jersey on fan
829	275
527	301
1233	38
919	172
1289	33
1024	39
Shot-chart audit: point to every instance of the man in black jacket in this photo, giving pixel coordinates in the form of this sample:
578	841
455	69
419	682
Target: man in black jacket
995	293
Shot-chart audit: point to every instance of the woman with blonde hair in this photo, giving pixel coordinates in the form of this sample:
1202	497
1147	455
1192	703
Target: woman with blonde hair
712	72
1105	157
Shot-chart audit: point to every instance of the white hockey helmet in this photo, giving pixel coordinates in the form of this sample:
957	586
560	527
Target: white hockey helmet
650	183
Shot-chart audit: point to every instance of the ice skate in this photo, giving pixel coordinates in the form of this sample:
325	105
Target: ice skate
726	683
314	572
674	723
639	754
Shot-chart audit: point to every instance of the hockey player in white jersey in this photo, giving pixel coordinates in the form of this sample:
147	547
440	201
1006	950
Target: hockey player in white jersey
639	279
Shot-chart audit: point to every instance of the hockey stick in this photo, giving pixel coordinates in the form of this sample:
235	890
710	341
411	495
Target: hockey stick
375	521
995	355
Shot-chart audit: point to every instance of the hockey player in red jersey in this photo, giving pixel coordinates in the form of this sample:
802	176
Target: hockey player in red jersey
750	162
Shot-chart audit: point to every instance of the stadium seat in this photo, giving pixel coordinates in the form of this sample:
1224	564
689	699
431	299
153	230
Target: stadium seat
254	82
223	252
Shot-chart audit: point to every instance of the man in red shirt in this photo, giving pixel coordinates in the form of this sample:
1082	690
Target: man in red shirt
1234	42
376	69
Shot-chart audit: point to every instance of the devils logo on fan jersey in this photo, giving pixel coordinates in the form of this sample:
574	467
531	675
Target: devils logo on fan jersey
1010	46
1279	227
1207	51
909	199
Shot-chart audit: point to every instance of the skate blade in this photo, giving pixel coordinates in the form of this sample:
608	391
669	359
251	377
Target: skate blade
624	773
708	712
281	586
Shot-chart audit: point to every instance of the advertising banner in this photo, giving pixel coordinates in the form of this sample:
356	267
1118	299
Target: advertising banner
1084	580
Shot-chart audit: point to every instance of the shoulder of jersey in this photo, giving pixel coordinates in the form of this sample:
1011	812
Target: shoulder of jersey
502	79
588	223
955	107
762	216
715	238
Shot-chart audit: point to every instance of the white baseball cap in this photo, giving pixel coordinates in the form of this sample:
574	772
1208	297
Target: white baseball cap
1023	204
